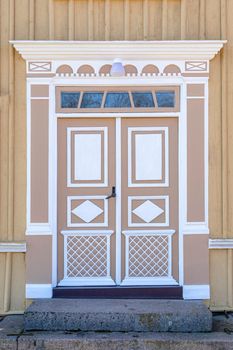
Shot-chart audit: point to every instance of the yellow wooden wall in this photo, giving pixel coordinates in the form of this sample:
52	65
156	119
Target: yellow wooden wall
113	20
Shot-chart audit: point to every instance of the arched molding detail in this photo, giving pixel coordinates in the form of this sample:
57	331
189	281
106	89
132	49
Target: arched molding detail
150	69
86	69
105	69
172	69
64	69
130	69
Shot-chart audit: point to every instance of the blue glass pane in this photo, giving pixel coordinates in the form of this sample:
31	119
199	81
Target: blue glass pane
165	98
92	99
143	99
117	100
69	99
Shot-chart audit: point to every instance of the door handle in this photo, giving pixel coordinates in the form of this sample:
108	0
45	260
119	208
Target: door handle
113	194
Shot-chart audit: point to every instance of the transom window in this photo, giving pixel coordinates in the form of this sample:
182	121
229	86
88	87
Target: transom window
86	99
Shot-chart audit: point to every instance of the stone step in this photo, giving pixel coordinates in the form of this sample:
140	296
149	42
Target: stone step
118	315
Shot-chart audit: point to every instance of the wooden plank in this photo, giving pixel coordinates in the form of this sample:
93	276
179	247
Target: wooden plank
192	19
18	282
117	20
71	20
229	103
219	297
20	177
212	25
31	19
174	20
154	20
81	20
61	20
135	18
42	20
99	20
107	19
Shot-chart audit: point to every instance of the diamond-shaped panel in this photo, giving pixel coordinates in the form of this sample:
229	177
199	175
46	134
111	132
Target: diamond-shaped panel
87	211
148	211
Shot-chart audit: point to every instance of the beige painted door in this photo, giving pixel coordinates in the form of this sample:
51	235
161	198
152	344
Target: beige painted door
130	238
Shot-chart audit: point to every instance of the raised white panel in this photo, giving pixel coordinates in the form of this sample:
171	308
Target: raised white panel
87	211
87	165
148	211
148	148
151	156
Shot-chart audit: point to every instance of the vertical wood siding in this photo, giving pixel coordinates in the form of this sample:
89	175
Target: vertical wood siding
113	20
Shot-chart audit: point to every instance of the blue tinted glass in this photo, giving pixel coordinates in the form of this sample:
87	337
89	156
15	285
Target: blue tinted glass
165	98
143	99
117	100
69	99
92	99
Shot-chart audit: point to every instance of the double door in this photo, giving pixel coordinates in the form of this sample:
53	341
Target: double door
117	201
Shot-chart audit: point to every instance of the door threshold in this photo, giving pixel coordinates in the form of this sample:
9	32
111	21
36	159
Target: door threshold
119	292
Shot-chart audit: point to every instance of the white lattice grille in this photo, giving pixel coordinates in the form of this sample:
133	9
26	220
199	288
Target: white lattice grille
148	256
87	256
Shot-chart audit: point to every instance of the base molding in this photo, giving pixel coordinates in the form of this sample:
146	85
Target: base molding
201	291
35	291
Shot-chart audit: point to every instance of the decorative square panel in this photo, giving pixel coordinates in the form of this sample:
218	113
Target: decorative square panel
196	66
39	66
148	211
148	157
148	256
87	157
87	211
86	255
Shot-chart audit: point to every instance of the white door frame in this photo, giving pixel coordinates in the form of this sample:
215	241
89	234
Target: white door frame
43	58
182	163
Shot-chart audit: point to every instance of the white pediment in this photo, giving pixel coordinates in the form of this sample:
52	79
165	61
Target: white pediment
127	50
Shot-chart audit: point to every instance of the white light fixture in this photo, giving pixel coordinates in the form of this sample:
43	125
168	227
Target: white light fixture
117	69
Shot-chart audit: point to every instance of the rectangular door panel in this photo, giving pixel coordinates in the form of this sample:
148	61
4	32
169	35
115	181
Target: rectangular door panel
86	219
149	201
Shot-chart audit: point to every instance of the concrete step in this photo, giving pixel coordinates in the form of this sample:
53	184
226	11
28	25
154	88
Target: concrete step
118	315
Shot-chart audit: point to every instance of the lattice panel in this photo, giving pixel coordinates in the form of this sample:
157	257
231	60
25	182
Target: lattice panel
87	256
148	256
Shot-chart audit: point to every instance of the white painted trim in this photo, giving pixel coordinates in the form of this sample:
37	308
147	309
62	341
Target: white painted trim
52	195
159	224
148	281
118	201
28	194
37	291
182	180
87	281
195	228
12	247
164	183
90	224
86	233
92	50
206	155
105	160
39	229
201	291
118	115
148	232
221	243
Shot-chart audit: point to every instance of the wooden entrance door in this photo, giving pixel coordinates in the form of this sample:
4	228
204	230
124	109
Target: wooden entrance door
130	238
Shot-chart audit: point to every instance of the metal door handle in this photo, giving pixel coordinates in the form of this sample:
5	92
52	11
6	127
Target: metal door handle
113	194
